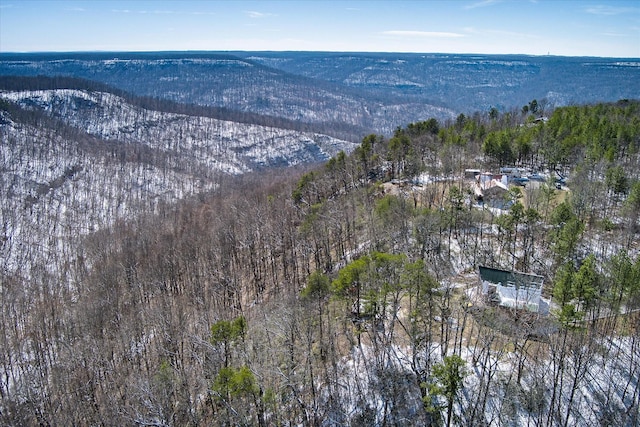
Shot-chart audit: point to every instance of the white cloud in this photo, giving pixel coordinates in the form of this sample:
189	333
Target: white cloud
428	34
257	15
482	3
607	10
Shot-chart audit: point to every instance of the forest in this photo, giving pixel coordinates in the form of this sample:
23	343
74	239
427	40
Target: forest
347	293
348	93
42	83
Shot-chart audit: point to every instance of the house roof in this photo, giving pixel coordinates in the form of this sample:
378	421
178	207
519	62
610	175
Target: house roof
514	279
519	297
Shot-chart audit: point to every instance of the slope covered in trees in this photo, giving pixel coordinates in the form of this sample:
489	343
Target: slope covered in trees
346	294
350	93
77	160
41	83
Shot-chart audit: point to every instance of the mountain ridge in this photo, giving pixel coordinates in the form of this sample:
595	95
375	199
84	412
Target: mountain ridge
100	159
364	92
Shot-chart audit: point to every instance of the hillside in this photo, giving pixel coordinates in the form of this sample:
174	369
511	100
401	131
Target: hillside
341	294
76	161
224	81
351	93
468	83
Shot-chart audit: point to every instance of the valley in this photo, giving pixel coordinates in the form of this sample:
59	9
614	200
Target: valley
348	95
300	239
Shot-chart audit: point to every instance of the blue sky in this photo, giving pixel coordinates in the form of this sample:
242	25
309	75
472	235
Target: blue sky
538	27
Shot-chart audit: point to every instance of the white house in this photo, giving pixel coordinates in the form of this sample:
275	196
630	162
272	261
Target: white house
513	289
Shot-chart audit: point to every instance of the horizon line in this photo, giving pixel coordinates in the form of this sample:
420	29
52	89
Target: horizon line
201	51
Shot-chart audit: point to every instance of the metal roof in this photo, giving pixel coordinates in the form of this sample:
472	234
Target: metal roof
513	279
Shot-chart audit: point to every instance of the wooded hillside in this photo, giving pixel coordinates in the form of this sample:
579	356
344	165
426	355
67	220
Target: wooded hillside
348	294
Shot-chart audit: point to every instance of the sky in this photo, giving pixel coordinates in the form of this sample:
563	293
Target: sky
604	28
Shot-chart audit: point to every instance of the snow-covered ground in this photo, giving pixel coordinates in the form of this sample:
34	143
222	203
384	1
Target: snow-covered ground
501	386
222	145
57	188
